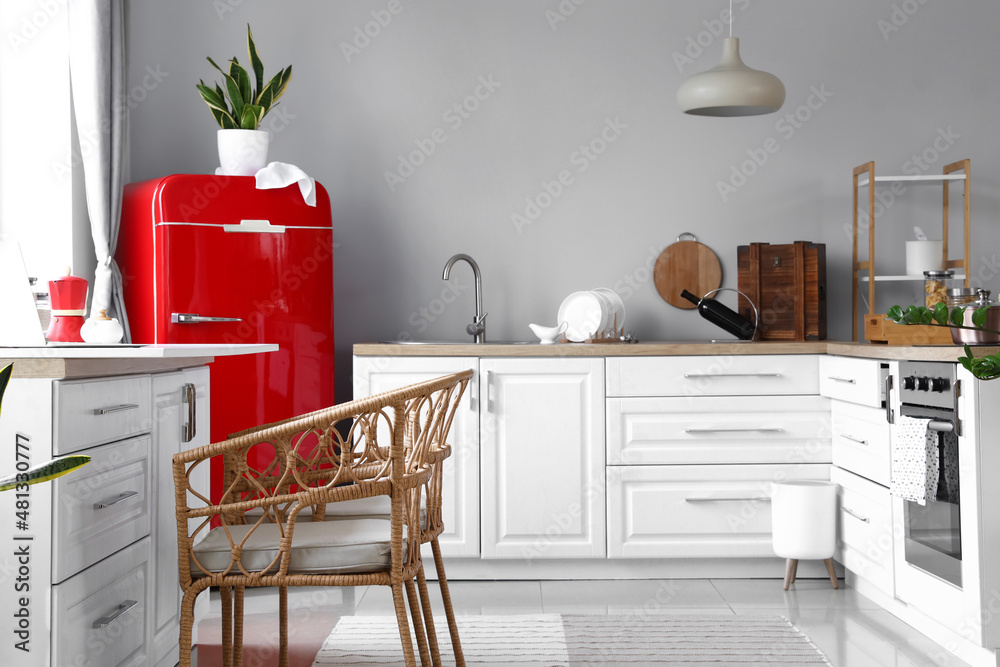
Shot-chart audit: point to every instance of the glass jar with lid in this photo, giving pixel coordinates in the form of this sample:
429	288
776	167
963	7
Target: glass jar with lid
960	296
936	286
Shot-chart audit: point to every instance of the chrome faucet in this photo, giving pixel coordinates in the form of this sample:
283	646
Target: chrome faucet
478	326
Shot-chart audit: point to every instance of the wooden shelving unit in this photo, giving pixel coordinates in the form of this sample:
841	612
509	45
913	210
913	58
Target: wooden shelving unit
877	328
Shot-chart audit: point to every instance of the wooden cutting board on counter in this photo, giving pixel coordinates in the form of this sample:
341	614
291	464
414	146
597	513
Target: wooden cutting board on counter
686	265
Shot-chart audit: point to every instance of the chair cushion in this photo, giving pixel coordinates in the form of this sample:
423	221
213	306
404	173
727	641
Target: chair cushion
322	547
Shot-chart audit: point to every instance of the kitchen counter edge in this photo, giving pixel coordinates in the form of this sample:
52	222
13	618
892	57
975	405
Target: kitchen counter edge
667	349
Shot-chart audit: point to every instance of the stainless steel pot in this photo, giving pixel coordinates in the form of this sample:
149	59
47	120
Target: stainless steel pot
979	337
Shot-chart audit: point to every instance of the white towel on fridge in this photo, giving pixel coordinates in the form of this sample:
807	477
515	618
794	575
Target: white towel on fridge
281	175
916	459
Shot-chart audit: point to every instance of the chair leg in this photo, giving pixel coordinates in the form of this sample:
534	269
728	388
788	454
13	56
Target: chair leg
404	625
238	628
833	575
449	611
418	624
283	629
187	623
425	602
227	625
791	565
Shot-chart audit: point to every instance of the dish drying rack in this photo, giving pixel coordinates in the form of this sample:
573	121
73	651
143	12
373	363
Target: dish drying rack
613	334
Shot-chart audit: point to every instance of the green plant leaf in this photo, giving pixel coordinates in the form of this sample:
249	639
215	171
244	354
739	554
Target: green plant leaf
5	374
979	317
264	100
228	123
216	66
255	63
242	79
941	314
895	314
235	97
212	98
957	316
251	117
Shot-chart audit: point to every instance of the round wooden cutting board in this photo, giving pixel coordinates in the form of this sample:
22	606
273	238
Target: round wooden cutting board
686	265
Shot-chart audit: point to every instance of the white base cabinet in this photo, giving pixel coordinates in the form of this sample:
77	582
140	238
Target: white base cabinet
88	569
542	437
460	491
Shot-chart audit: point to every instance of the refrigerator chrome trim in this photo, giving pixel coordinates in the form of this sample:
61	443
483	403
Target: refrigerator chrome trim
220	224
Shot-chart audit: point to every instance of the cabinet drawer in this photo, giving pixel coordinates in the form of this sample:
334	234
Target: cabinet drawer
695	511
723	375
705	429
861	441
83	532
93	412
103	594
864	533
854	380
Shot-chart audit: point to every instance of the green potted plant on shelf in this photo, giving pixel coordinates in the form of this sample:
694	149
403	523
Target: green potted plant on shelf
239	106
986	367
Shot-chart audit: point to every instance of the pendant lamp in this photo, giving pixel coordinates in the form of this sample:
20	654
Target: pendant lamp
731	88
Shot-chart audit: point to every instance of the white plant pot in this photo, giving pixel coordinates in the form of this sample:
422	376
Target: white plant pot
243	152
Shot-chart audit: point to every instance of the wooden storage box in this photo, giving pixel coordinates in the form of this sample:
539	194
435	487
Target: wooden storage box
787	283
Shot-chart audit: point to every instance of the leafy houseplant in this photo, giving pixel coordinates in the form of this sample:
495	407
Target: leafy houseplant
239	109
983	368
247	103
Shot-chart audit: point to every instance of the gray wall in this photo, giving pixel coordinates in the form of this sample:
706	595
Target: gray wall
894	78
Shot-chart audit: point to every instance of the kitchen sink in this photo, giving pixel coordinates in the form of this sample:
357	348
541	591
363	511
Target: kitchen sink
454	342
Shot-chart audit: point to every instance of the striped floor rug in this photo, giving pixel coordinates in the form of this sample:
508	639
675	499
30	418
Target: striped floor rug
563	640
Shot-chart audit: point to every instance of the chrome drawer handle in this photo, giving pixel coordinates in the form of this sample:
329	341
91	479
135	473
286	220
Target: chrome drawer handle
108	620
114	501
848	510
732	375
190	429
116	408
192	318
837	379
715	499
853	439
734	430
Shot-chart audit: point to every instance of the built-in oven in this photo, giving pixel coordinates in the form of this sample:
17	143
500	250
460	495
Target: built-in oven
943	553
932	529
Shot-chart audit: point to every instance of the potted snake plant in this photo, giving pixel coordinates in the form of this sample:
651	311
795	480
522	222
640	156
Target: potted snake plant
238	106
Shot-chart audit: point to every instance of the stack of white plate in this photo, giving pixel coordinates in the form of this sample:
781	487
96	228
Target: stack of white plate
598	313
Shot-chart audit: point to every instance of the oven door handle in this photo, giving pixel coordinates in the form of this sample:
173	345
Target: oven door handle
942	427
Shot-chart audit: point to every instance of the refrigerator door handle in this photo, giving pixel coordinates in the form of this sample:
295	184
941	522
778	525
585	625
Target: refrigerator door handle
192	318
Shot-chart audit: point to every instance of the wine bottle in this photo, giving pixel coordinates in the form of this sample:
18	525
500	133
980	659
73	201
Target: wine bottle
722	316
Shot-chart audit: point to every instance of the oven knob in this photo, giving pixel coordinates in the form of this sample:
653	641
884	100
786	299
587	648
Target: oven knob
910	383
940	384
923	384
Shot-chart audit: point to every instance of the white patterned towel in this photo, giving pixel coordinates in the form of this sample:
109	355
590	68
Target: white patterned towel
916	463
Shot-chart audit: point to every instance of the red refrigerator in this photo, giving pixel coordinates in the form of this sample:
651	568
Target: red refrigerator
212	259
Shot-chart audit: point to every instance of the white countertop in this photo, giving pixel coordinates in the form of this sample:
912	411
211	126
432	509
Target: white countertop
85	351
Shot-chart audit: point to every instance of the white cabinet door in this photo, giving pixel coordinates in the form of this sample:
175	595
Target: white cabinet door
179	424
460	492
542	444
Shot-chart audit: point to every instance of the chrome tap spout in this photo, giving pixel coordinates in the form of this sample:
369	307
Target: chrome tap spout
478	326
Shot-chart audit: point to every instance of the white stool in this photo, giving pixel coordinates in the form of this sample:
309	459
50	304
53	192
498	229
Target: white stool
804	524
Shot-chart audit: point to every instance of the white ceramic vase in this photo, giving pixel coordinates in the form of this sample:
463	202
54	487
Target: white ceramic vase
243	152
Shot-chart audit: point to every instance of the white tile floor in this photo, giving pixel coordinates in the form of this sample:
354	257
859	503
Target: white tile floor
848	627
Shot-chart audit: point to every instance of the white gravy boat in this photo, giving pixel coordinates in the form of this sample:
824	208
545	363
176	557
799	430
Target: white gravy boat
548	335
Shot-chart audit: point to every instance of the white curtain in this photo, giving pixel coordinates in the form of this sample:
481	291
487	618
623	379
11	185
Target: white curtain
97	54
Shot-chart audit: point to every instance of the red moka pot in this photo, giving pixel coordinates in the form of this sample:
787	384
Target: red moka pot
69	308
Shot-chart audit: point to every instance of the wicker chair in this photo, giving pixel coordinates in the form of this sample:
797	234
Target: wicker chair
347	452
